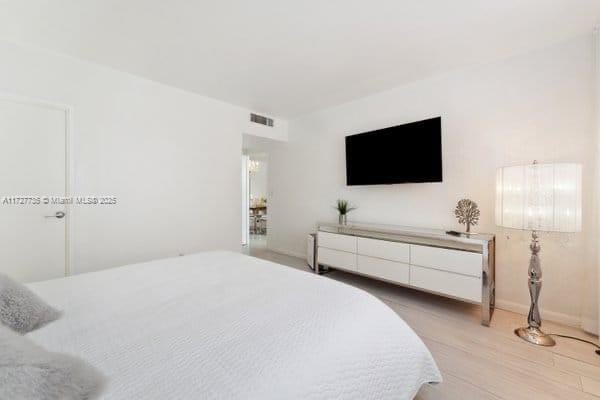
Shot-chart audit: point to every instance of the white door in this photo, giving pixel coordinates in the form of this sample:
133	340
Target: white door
33	237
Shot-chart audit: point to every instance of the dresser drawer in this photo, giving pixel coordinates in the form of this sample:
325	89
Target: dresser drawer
336	258
383	249
461	286
461	262
337	242
385	269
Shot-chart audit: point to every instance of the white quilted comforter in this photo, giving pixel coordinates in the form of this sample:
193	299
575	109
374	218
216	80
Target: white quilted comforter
222	325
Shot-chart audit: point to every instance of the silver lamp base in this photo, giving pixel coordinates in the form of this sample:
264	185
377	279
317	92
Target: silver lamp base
535	336
533	333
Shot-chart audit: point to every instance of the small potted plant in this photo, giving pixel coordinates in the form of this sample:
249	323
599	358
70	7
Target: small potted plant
343	208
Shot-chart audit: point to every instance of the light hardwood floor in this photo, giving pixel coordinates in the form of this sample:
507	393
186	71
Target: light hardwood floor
482	363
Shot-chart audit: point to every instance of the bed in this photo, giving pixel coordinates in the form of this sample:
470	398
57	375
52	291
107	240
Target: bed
222	325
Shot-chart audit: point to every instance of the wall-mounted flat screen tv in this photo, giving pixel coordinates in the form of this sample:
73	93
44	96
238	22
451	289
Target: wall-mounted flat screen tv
408	153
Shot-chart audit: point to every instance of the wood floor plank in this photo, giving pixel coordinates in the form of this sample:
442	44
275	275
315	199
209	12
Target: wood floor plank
577	350
576	366
503	322
492	338
591	385
501	380
479	362
520	357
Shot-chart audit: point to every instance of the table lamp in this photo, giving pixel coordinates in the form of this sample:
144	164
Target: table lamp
538	197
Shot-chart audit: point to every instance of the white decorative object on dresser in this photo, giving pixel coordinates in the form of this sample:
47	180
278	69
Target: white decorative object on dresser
460	267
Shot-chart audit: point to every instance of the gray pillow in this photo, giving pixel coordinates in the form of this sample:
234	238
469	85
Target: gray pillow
21	309
29	372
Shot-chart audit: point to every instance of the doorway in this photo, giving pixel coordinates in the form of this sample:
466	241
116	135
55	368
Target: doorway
34	180
255	201
258	200
256	191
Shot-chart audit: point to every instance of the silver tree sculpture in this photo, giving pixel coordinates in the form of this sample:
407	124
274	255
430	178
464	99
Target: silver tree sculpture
467	213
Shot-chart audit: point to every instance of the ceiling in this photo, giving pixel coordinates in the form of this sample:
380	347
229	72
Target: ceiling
286	58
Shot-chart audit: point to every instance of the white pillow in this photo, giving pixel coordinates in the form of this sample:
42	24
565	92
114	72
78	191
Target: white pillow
29	372
21	309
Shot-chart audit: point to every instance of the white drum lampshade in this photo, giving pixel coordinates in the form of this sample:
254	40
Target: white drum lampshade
539	197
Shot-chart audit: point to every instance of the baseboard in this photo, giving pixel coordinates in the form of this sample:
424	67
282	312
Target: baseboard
286	252
590	326
546	315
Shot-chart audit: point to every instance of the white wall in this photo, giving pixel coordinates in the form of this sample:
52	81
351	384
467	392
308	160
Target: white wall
171	157
535	106
279	130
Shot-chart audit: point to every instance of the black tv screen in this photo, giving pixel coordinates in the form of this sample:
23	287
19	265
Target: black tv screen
409	153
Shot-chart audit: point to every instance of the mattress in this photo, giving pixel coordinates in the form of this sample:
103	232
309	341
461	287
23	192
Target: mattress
222	325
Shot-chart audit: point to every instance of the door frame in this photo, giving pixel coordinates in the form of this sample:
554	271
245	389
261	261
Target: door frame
245	200
594	326
69	175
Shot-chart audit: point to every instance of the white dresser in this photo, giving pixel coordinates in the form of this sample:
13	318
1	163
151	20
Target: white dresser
461	267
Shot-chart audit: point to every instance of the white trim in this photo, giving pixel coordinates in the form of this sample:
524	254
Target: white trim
245	200
518	308
590	325
596	39
69	184
69	175
546	314
17	98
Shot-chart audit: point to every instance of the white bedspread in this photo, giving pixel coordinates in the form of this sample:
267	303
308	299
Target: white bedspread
222	325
